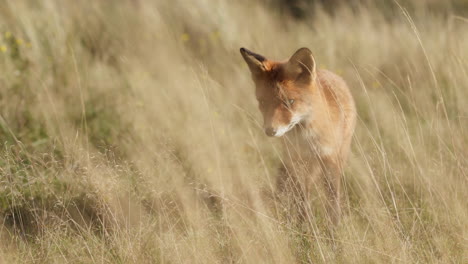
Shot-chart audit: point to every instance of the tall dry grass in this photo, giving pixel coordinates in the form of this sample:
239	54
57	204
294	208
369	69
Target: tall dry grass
130	134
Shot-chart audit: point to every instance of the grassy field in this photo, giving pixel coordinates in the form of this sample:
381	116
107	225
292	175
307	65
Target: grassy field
130	133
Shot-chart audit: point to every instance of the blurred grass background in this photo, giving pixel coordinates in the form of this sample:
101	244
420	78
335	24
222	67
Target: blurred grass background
130	131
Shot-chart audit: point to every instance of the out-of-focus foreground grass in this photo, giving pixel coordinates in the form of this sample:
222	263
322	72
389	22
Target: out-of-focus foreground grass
130	134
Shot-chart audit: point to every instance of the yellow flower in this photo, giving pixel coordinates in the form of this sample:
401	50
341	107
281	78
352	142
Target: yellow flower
8	34
3	48
214	35
19	42
185	37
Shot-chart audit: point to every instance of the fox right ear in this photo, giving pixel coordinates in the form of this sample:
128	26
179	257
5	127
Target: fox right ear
255	61
301	66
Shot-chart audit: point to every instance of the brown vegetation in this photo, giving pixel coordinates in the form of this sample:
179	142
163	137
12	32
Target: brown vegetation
130	134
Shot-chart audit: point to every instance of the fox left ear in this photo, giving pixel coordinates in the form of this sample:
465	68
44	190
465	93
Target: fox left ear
301	66
254	60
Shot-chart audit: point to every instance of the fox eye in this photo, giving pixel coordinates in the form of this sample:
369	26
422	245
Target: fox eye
289	102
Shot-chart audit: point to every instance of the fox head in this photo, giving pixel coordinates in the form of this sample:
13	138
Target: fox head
283	89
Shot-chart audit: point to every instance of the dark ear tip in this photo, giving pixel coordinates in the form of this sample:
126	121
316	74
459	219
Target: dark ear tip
242	50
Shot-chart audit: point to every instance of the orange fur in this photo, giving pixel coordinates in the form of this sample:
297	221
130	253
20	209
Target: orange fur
315	111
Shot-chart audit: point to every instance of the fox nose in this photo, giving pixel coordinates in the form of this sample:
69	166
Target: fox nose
270	131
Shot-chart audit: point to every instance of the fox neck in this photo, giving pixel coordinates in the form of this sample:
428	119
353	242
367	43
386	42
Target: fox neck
314	122
314	110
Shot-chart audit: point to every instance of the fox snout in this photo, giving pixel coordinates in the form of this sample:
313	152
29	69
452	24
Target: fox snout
278	131
277	120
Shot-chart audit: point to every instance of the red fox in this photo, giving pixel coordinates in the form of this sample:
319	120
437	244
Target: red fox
314	111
